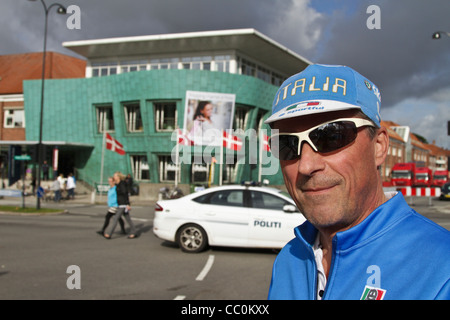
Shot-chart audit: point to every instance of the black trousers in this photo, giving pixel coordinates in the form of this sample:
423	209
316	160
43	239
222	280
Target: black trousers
108	217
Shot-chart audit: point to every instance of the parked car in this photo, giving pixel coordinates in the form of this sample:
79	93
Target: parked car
445	192
235	216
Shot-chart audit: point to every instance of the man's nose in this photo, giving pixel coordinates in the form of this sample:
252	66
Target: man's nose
310	160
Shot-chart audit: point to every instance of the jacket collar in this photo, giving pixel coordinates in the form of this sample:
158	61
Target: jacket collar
389	213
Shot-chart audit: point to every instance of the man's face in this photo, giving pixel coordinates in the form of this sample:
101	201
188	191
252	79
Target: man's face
333	190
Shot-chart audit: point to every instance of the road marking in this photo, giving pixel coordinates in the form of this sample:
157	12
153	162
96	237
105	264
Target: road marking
201	275
141	219
206	268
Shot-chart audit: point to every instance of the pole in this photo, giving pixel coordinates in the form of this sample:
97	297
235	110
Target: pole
39	146
221	165
261	145
39	153
103	157
23	184
101	168
177	158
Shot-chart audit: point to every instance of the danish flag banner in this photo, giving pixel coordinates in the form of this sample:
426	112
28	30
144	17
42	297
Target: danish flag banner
265	142
231	142
114	145
183	139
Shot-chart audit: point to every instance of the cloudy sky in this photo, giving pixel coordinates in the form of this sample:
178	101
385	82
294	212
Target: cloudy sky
411	69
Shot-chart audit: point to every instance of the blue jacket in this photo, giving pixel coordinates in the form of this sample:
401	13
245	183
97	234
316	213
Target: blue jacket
394	249
112	197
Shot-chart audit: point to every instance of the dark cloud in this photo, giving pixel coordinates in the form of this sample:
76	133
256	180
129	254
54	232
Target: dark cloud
401	58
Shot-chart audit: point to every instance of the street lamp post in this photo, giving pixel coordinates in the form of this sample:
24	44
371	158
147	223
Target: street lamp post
61	10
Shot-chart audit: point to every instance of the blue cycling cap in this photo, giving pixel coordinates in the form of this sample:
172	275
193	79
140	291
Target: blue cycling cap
324	88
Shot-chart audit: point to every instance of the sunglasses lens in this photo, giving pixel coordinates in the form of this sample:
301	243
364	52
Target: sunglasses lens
286	147
333	136
326	138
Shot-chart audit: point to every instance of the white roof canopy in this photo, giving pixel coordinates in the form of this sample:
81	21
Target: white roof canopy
248	41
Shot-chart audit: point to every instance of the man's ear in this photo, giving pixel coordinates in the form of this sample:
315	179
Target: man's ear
381	145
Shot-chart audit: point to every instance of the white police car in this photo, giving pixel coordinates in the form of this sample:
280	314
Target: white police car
235	216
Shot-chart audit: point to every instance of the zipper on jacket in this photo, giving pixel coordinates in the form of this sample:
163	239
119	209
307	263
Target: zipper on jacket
330	273
314	285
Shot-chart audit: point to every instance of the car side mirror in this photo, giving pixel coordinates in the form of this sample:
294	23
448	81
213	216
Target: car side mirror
289	208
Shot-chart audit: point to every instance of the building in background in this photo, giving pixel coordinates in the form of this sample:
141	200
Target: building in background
405	146
140	90
135	89
14	69
396	151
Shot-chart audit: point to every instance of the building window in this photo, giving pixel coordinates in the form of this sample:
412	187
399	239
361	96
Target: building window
165	116
102	69
167	169
248	68
105	119
139	167
14	118
260	119
222	63
169	63
241	117
200	172
253	69
276	79
264	74
131	66
228	171
197	63
133	119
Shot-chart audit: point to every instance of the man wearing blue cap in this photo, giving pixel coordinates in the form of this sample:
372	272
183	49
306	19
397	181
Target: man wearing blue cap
358	242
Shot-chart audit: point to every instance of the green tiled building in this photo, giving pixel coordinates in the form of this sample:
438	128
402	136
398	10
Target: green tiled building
135	89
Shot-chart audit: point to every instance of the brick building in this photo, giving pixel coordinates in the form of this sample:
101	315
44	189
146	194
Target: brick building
14	69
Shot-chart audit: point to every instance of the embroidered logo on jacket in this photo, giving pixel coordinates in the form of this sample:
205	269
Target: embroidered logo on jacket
371	293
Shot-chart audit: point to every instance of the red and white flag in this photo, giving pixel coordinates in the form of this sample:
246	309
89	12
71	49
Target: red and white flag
114	145
265	143
183	139
231	142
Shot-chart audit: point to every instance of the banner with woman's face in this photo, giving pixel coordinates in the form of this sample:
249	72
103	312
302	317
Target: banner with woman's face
206	115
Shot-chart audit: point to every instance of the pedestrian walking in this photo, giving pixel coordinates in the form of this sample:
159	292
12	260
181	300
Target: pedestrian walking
124	207
45	168
70	186
56	188
112	207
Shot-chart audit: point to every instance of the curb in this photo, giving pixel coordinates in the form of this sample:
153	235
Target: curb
12	213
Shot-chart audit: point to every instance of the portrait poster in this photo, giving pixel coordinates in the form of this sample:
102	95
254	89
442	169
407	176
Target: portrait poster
206	115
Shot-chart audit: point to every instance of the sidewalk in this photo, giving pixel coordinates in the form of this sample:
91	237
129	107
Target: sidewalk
80	199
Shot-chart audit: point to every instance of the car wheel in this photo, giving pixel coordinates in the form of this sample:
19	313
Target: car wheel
192	238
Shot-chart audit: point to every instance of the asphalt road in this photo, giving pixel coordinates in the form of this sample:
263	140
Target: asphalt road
36	252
